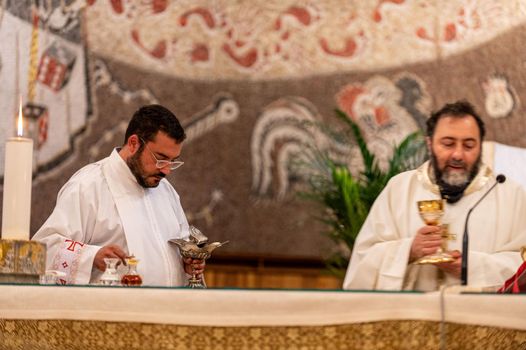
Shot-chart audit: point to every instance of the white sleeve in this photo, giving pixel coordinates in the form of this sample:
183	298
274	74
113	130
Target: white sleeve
494	266
380	253
65	232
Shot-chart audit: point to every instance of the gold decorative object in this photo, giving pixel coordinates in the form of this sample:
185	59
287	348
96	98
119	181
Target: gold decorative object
523	253
431	211
21	261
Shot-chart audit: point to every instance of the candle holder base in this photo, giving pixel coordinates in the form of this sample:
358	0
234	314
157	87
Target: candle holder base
22	261
10	278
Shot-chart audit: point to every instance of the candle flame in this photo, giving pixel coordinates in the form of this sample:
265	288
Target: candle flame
20	122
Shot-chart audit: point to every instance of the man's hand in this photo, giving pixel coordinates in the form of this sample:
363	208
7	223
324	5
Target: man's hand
110	251
427	241
453	268
194	266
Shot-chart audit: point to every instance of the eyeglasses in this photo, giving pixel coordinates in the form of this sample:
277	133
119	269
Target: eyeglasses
161	163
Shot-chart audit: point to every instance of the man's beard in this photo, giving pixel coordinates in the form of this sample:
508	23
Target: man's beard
135	165
455	178
453	183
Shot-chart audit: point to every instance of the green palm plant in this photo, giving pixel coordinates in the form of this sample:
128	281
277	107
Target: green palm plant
347	198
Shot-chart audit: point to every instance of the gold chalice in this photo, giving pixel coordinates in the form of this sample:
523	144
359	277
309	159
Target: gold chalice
431	211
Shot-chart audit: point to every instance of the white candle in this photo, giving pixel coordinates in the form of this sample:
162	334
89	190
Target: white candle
18	171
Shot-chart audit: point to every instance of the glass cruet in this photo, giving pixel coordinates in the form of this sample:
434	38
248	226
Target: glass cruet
132	277
110	277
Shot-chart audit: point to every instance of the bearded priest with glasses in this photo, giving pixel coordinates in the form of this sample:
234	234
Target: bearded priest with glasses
123	205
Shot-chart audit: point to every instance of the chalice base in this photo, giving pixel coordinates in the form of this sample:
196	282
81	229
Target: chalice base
436	258
195	282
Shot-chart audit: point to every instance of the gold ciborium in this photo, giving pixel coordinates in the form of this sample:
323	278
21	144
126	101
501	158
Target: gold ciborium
431	211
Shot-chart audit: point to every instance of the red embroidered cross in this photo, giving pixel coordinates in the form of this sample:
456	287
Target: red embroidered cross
65	264
73	244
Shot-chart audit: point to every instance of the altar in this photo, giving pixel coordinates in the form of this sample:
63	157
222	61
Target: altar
89	317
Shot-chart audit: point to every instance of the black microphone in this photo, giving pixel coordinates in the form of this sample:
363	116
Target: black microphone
465	239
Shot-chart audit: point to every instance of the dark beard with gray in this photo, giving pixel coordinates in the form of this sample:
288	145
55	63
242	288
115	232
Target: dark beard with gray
137	170
453	185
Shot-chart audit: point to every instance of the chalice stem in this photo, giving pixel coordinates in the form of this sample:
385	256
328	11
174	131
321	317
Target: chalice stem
195	280
195	277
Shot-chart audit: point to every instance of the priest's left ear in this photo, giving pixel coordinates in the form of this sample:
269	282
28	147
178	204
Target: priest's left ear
134	143
428	144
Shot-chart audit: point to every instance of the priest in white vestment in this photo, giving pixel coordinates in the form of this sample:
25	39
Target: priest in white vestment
394	236
121	206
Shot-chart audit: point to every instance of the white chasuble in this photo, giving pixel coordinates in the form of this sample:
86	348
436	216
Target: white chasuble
102	204
497	230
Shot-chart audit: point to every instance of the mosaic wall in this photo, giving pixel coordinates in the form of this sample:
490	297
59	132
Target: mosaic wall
247	78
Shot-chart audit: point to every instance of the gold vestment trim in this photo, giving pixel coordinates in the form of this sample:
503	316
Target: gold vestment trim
481	179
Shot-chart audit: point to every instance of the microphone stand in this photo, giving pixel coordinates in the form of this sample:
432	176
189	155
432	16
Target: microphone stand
465	238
